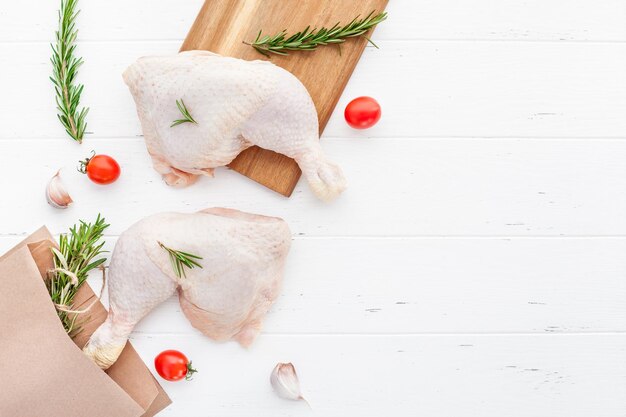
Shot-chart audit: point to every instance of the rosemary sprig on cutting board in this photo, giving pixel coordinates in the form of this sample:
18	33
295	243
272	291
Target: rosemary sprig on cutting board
181	260
78	254
65	66
309	39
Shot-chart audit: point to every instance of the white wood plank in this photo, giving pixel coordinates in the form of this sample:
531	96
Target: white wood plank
490	89
556	20
426	89
443	286
400	187
491	376
36	21
399	286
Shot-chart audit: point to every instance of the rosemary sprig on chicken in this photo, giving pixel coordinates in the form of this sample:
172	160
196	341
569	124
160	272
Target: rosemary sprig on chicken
187	118
181	260
79	253
309	39
65	66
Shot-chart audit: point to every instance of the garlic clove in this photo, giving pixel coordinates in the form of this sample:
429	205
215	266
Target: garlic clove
285	382
56	194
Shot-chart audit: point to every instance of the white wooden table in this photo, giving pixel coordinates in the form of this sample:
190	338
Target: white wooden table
475	267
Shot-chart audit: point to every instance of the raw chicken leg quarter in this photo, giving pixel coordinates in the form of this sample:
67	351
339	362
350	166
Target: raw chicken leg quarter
243	257
236	104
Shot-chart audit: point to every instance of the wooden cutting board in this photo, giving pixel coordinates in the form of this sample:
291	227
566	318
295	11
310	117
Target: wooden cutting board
223	25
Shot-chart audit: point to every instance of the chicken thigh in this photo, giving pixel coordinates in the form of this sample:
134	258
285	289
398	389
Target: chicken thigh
243	256
235	104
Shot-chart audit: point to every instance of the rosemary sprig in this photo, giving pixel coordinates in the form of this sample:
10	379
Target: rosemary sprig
185	112
78	254
309	40
181	260
64	70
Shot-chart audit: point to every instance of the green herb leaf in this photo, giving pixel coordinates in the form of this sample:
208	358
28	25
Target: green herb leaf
65	67
181	260
309	40
185	112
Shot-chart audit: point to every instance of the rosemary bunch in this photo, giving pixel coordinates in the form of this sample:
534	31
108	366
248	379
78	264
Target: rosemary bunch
78	254
309	40
181	260
64	70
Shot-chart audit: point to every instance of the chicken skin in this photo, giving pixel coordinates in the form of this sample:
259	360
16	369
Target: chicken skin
243	257
235	104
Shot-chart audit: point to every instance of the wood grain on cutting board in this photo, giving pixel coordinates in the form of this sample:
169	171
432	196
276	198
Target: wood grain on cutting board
223	25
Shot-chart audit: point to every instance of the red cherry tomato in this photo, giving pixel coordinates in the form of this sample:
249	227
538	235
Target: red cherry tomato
172	365
101	169
362	113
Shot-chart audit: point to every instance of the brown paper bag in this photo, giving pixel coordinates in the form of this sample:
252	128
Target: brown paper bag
43	373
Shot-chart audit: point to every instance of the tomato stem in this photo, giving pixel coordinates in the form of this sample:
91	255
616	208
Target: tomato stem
190	372
82	168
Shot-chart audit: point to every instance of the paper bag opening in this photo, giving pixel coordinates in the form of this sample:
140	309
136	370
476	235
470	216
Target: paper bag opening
54	377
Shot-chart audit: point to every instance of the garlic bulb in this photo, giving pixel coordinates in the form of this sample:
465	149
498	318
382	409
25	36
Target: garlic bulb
285	382
56	194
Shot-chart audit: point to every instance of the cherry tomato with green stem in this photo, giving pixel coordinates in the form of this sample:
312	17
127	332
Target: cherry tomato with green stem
173	365
101	169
